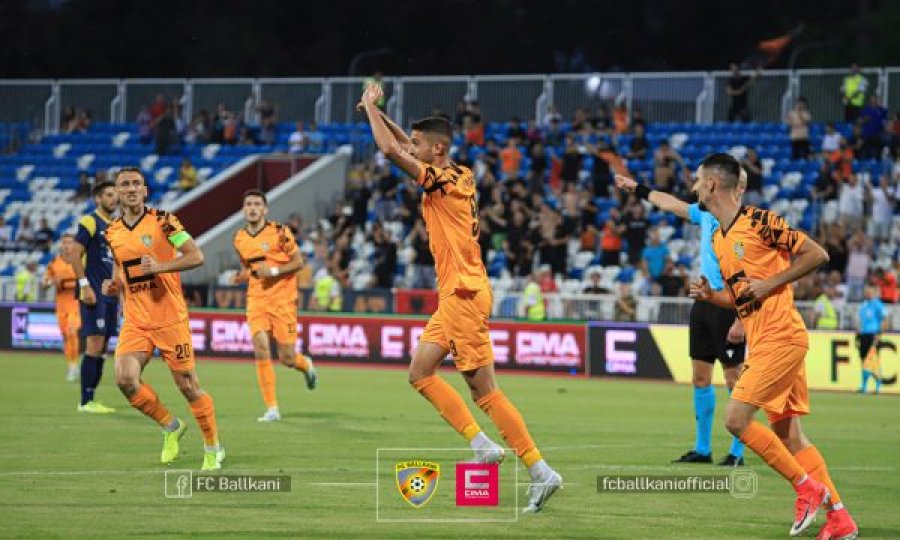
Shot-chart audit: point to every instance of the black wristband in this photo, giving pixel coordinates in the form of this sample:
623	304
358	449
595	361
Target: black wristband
642	191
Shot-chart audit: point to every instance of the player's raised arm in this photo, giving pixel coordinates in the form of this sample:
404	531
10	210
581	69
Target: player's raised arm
659	199
396	130
393	149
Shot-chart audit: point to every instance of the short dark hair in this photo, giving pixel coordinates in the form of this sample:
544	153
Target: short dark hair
725	165
129	169
67	235
98	188
256	193
436	125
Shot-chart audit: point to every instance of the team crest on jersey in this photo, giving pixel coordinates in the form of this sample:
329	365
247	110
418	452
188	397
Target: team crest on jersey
264	246
417	481
739	250
147	240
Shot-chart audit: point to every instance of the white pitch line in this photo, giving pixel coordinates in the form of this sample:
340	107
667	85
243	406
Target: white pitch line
699	468
603	466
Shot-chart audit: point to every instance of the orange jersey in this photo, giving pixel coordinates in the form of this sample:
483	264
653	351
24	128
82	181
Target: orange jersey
273	245
151	300
511	159
758	245
450	209
67	290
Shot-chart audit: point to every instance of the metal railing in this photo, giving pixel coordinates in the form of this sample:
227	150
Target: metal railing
663	97
588	307
650	309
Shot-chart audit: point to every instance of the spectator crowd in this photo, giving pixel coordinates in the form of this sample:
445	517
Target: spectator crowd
548	208
546	198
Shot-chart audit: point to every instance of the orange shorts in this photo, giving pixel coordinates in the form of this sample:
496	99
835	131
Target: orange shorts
774	379
460	326
173	342
279	319
69	318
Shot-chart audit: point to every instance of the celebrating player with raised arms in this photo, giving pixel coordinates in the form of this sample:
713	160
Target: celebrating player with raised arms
460	324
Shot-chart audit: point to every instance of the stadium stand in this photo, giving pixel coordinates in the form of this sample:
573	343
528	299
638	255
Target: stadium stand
788	186
41	179
557	175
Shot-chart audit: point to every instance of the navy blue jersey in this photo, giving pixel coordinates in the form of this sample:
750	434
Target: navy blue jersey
97	258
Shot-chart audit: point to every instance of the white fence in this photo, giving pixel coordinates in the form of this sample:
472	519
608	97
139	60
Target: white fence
587	307
663	97
650	309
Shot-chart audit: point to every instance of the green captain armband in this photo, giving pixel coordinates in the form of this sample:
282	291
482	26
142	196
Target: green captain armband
178	239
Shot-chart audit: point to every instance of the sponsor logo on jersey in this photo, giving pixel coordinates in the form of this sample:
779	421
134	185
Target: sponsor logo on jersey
144	286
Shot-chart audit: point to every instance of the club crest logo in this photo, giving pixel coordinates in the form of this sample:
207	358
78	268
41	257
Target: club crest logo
264	246
739	250
147	240
417	481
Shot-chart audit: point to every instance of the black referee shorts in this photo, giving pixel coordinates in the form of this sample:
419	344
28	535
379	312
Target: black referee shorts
708	335
864	343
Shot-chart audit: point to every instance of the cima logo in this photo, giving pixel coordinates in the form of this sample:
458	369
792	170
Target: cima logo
477	484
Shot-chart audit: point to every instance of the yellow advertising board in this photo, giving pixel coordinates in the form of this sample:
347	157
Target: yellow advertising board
832	362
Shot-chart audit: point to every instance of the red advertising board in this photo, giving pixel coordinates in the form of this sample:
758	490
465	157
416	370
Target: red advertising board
517	345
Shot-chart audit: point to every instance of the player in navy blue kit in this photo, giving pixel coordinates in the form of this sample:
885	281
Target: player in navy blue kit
92	261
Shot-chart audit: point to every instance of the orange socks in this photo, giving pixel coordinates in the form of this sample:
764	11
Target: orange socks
70	348
301	363
769	447
265	376
811	461
449	404
511	425
146	401
204	411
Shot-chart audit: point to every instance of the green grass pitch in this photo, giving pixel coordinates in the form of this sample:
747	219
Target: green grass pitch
70	475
